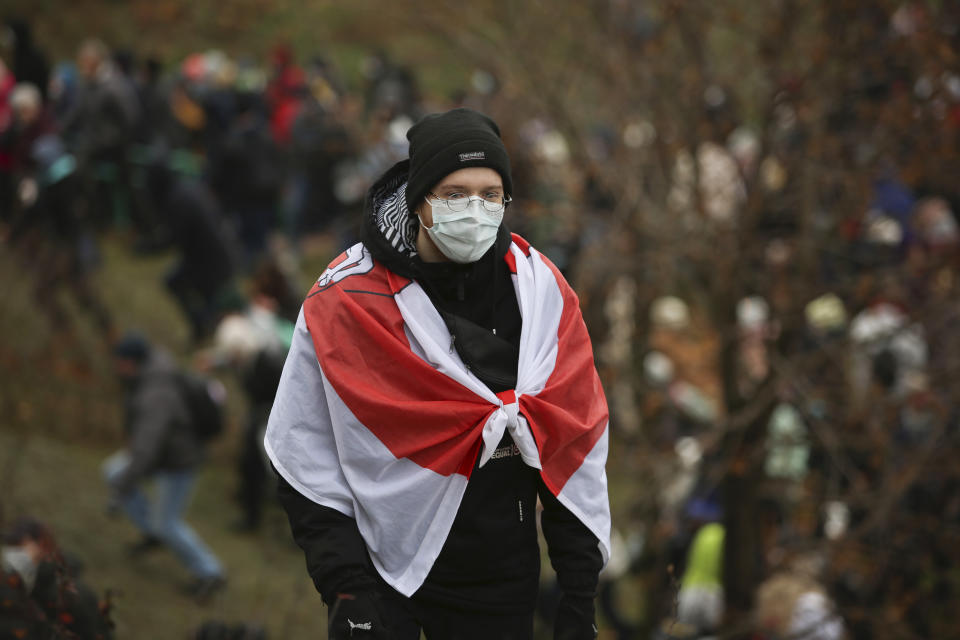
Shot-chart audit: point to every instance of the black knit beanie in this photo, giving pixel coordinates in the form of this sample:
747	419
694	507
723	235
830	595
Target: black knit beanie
442	143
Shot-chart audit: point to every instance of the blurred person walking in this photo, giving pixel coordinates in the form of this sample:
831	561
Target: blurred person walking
321	146
163	446
246	171
29	120
793	604
155	111
285	93
29	63
100	128
62	91
49	229
7	82
253	343
205	244
700	602
440	380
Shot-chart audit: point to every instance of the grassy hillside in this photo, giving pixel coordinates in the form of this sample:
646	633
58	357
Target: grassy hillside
60	417
60	483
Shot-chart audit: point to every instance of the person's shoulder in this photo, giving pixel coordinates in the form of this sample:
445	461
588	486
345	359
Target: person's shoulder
355	271
356	262
530	253
521	243
519	249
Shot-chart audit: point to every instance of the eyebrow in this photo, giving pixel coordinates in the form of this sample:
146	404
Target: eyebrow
466	188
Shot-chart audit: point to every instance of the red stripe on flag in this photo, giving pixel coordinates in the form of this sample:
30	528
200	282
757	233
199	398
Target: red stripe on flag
511	261
416	412
569	416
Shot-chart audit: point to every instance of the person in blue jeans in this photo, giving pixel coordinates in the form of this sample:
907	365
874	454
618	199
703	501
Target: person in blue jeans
161	447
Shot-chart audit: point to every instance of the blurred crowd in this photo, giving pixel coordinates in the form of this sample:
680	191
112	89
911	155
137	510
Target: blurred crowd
225	161
231	163
841	343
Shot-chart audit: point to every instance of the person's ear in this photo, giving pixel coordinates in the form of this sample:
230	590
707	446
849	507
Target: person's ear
421	213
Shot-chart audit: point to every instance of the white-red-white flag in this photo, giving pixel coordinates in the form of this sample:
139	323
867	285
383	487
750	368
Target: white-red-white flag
378	417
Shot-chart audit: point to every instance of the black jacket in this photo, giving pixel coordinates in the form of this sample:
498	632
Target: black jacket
490	560
201	235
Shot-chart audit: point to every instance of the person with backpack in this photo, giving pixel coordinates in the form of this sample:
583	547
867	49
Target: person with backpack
165	445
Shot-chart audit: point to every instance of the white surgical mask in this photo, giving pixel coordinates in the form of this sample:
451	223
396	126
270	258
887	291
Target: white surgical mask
463	236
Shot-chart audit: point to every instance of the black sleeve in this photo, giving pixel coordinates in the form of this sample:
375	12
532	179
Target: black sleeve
574	550
336	554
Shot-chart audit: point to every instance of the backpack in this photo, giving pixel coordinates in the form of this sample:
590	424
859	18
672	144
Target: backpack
205	398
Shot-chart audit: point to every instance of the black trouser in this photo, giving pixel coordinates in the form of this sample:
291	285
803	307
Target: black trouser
407	617
7	194
197	296
252	468
58	267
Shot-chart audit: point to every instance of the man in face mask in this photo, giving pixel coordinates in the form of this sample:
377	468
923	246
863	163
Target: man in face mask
440	383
